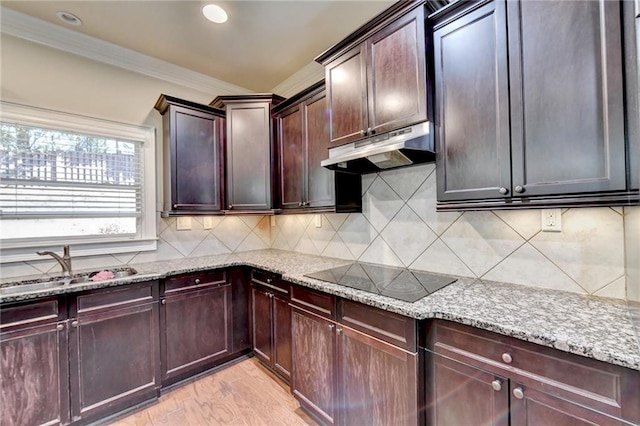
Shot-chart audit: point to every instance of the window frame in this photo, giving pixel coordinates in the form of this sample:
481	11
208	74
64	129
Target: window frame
146	238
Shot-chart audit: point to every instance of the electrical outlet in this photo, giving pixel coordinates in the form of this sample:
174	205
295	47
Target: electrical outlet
318	221
183	223
552	220
207	222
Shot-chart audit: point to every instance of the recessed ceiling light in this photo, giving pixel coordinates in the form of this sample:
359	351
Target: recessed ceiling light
69	18
214	13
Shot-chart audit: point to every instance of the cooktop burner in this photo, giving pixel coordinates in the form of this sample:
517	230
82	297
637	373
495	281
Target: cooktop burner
399	283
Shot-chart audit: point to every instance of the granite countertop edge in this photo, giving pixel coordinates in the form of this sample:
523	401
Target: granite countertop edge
496	307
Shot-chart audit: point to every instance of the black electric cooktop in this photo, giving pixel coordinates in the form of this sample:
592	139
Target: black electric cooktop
399	283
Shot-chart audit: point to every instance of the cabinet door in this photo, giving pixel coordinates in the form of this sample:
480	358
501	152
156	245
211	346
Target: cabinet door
531	407
262	321
291	159
460	394
282	336
320	180
249	156
196	155
378	381
113	357
346	83
34	389
314	380
566	80
472	106
397	79
196	331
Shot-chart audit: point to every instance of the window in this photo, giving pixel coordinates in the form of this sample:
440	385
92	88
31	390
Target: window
68	179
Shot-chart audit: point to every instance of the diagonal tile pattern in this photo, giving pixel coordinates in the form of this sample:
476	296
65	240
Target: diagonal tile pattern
400	226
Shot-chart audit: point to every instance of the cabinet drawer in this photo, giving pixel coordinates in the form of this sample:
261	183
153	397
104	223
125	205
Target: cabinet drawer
115	297
194	281
583	380
270	280
387	326
313	301
33	313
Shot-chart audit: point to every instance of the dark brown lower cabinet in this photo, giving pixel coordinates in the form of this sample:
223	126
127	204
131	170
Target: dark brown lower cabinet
477	377
113	347
34	367
196	324
314	377
378	381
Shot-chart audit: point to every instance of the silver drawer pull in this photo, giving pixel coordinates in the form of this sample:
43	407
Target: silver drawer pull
496	385
506	357
60	327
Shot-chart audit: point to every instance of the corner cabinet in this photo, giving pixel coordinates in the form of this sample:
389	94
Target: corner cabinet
376	78
477	377
303	142
250	154
193	157
195	322
530	110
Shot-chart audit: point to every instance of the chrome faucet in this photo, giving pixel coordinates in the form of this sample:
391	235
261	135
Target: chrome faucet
64	261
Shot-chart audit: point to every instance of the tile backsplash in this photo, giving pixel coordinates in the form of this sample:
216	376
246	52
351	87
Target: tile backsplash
399	226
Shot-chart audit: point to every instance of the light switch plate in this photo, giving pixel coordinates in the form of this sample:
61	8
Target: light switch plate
207	222
183	223
551	220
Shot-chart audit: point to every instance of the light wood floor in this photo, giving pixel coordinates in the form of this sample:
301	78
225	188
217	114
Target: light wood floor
245	393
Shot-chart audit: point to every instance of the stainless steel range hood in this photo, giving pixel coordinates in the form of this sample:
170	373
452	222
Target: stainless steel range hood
403	147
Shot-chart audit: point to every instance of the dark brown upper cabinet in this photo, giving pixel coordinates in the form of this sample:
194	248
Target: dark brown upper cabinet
193	157
303	142
376	78
530	105
250	154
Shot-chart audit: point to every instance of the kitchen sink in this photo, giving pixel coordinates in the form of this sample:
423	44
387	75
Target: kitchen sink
55	282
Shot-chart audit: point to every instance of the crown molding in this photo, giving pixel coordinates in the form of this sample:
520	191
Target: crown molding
300	80
23	26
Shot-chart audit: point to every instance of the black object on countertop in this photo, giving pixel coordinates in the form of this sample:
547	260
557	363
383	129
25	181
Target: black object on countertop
399	283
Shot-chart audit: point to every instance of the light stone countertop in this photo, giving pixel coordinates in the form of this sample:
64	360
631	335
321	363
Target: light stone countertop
590	326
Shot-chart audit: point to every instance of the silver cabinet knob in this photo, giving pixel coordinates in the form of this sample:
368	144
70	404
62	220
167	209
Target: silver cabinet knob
300	204
363	132
60	327
197	281
230	206
370	131
503	191
163	301
496	385
331	326
269	280
519	189
339	330
506	357
74	324
518	393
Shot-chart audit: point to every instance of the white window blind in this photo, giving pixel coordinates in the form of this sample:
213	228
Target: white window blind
48	173
72	179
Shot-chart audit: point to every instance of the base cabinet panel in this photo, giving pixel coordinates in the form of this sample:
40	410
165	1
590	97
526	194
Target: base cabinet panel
378	382
314	354
282	336
262	321
197	328
112	359
34	370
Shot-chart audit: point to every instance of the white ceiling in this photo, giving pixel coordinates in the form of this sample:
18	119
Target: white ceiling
262	44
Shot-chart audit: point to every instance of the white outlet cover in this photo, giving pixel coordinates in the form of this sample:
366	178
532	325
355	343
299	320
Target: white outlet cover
551	220
183	223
